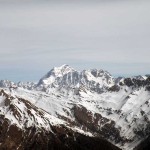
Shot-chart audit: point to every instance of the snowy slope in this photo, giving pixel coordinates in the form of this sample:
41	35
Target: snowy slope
91	101
67	77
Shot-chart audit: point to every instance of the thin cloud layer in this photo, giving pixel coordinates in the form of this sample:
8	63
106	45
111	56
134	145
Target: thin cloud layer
112	35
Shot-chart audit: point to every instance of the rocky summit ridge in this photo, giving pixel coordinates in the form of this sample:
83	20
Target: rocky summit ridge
70	109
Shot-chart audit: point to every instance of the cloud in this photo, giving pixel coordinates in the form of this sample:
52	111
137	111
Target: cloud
42	34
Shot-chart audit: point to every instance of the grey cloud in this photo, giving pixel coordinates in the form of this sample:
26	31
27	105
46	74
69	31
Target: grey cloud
106	33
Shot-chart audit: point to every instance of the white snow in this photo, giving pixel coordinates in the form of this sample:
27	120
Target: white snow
127	107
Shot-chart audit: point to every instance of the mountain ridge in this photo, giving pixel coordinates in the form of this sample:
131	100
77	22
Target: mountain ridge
90	102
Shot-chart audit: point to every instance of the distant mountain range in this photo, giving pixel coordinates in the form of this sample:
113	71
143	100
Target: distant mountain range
76	110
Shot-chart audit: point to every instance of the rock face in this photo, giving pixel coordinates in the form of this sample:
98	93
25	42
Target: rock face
144	145
29	128
68	109
91	123
65	76
61	138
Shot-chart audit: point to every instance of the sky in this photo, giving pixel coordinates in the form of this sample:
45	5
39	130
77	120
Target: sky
36	35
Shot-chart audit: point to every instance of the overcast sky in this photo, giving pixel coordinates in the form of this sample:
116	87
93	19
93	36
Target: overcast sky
36	35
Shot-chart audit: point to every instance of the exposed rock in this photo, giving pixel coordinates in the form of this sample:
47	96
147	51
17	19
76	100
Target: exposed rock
91	106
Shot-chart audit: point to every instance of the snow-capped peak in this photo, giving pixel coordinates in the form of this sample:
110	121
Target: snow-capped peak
66	76
140	77
99	76
92	100
54	73
62	70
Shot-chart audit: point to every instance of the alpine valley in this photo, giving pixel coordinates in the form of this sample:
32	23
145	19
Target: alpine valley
76	110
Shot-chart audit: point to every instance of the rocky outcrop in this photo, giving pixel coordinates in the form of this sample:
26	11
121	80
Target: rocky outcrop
60	138
144	145
95	123
23	126
67	77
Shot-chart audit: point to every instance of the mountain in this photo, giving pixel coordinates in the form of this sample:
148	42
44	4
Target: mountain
76	109
67	77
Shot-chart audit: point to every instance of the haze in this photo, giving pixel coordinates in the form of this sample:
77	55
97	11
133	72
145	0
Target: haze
36	35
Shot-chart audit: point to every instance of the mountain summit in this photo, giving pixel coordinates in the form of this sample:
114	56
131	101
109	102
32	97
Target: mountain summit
70	109
67	77
56	72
